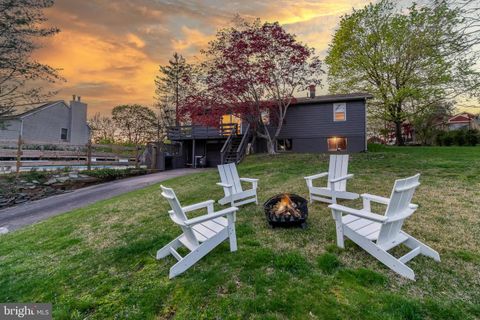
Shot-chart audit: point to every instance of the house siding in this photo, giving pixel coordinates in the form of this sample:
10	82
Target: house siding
45	125
310	125
10	130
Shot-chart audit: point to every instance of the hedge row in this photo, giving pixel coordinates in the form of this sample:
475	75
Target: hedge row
458	137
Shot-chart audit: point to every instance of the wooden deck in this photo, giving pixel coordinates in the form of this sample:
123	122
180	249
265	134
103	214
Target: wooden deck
201	132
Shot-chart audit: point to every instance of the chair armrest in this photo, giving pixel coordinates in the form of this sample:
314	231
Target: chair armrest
254	182
225	185
196	206
316	176
210	216
348	176
359	213
374	198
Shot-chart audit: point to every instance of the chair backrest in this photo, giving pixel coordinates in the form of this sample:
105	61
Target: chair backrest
338	167
229	175
399	206
178	215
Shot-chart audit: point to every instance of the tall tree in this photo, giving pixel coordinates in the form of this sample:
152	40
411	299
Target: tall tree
103	129
409	59
21	77
135	123
171	88
251	69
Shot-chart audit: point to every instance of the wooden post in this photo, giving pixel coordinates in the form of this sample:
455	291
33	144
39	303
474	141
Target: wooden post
136	156
194	161
19	154
154	156
89	155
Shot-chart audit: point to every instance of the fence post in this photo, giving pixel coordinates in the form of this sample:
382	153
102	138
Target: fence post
19	154
89	155
154	156
136	156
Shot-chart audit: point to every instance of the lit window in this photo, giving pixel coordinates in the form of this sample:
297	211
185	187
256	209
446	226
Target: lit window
337	144
339	111
284	144
64	134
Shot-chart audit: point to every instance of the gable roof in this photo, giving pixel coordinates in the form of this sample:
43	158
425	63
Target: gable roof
464	117
27	110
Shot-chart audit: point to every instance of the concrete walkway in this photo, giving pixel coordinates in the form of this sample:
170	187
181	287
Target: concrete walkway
28	213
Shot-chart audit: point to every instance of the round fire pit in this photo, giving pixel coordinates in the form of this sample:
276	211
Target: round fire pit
286	210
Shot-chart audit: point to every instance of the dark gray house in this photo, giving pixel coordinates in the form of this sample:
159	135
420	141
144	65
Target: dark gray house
330	123
51	123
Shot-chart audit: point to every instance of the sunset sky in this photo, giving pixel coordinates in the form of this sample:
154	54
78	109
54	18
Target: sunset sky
109	51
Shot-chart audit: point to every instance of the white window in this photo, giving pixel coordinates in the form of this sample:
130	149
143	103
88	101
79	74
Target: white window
337	144
339	111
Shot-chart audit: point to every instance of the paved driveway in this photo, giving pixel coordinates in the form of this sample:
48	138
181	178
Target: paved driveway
25	214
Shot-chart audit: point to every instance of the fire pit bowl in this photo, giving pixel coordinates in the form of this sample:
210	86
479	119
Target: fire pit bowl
286	210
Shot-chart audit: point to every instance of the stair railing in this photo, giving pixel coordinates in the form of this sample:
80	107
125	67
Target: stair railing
228	143
242	147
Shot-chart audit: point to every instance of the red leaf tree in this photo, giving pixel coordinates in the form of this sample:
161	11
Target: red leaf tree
252	70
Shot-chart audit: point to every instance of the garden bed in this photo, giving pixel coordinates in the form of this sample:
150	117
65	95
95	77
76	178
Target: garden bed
36	185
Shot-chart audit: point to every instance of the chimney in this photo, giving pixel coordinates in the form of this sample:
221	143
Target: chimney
311	89
74	97
79	98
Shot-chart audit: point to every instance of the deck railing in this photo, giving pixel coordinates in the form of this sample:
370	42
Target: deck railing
201	132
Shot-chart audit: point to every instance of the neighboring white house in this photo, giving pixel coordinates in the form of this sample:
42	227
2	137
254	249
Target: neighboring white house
53	123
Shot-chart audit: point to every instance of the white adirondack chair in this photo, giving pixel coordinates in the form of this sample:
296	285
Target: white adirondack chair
232	186
200	235
377	234
337	176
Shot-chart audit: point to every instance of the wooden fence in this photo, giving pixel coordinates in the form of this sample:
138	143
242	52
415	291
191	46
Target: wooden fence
21	155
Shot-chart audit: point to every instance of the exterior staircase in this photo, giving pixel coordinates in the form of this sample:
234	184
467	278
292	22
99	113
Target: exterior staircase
235	147
231	152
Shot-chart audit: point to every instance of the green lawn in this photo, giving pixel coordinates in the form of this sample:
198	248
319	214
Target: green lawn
99	262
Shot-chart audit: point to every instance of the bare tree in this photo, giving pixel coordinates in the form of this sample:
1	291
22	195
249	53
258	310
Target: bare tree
103	129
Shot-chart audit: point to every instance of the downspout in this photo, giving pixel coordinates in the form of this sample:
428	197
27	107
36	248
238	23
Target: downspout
366	139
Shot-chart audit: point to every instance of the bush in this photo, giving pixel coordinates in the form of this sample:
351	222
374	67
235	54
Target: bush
472	137
447	139
459	137
376	147
114	174
439	138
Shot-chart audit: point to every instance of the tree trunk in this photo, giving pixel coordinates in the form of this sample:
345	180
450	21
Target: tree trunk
398	133
270	145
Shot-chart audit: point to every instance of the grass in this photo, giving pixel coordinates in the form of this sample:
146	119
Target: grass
99	262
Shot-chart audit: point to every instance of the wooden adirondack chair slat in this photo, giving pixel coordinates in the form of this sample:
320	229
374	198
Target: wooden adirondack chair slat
337	169
200	235
377	238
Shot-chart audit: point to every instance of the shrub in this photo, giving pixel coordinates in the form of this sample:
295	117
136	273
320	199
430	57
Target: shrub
35	175
439	138
113	174
459	137
472	137
376	147
447	139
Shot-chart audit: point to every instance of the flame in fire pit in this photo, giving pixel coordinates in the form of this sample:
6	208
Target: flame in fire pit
286	207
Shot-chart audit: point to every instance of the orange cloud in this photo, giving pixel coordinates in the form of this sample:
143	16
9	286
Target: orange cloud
110	51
